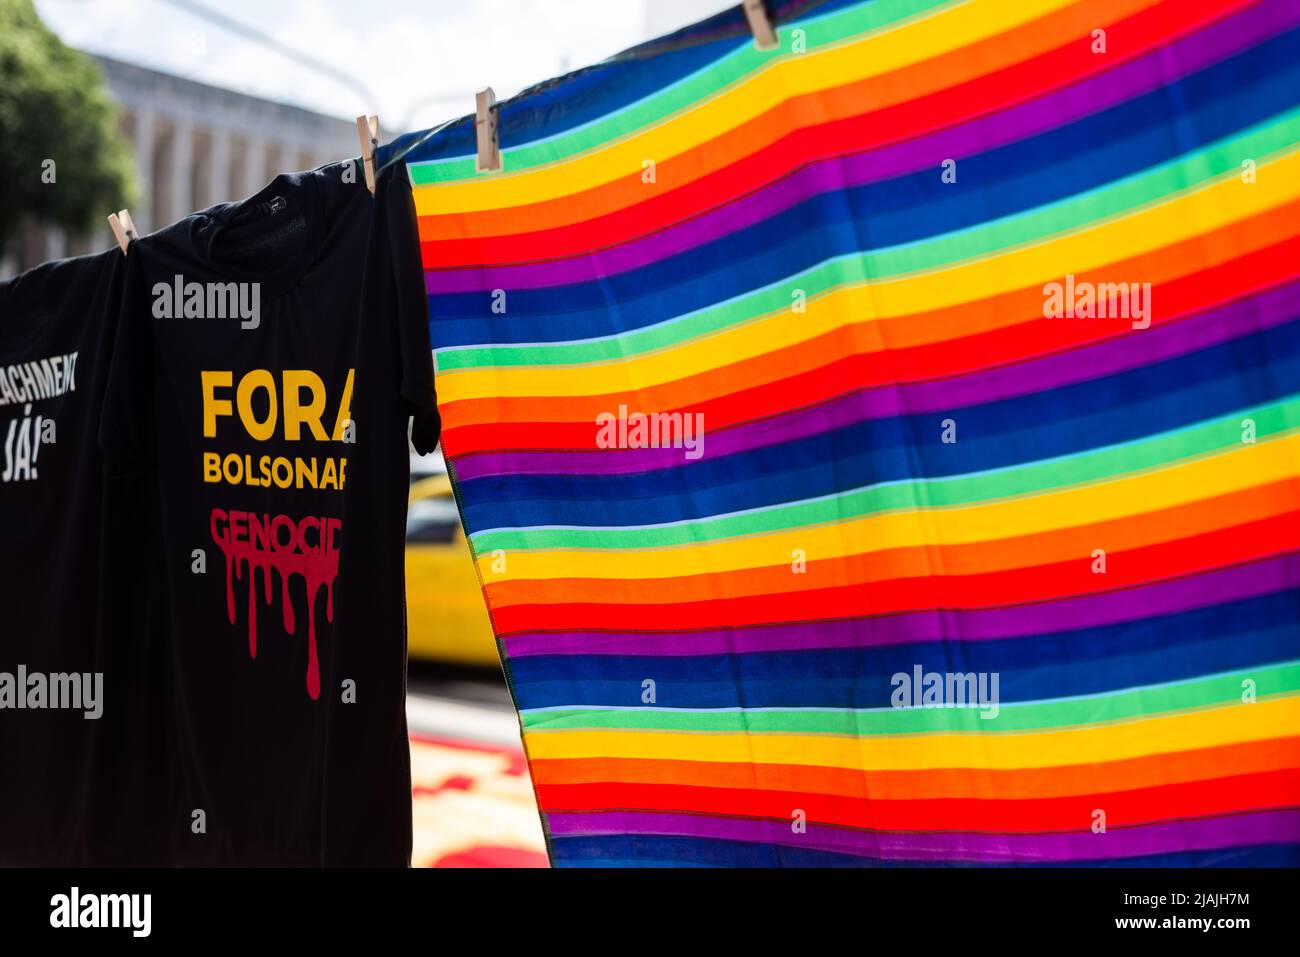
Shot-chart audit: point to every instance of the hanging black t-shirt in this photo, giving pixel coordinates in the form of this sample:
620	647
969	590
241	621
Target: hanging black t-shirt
56	330
394	387
235	377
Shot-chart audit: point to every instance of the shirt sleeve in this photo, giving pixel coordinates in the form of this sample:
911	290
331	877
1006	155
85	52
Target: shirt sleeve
127	433
397	205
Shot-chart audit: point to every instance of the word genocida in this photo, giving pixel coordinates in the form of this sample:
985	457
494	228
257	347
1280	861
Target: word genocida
292	410
307	547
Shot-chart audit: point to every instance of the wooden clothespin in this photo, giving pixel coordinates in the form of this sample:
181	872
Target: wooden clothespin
123	227
760	24
485	131
368	134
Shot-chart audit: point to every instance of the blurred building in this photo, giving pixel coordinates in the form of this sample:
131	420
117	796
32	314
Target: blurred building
194	145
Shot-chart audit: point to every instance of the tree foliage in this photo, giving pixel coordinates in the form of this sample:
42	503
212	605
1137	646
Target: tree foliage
53	107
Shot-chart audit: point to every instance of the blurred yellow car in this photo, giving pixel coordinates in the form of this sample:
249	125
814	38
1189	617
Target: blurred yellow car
446	619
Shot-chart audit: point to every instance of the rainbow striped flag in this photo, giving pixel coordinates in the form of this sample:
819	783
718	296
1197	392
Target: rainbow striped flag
883	449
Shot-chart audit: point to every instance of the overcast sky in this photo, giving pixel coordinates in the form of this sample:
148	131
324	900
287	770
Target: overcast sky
421	60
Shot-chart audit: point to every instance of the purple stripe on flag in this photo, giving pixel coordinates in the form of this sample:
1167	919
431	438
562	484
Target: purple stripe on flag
1200	834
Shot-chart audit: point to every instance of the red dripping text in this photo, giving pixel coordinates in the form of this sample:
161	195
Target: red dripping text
306	547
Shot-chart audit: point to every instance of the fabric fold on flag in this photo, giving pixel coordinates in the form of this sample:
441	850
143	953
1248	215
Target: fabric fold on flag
882	450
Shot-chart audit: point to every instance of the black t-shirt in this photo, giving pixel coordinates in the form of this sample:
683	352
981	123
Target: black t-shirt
56	331
236	377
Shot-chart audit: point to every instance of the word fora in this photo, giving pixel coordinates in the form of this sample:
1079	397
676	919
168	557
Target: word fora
1104	300
655	430
297	413
208	300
